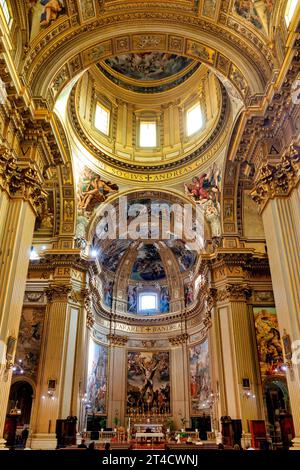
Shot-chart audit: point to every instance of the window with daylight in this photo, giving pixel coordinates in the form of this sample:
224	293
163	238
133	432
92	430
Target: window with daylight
290	10
148	134
102	117
6	11
148	302
194	120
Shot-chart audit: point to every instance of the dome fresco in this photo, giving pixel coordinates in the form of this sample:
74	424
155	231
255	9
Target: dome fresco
148	265
147	66
185	257
111	256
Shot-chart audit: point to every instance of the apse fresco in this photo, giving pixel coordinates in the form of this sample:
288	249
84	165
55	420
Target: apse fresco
97	377
185	257
188	293
111	256
268	340
29	340
148	65
199	377
257	13
42	13
148	265
107	292
148	382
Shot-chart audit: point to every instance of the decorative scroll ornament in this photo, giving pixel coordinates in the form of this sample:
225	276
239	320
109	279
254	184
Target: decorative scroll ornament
90	320
209	302
117	340
279	179
180	339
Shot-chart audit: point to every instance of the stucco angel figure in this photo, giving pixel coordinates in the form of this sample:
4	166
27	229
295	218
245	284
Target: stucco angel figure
52	8
212	215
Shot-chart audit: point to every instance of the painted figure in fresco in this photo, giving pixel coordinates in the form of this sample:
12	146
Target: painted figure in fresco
189	294
132	299
108	294
164	300
268	339
149	370
52	8
96	195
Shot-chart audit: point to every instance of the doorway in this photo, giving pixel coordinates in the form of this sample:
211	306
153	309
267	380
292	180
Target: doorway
279	418
18	413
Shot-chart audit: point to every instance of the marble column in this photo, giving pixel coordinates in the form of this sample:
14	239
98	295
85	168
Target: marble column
19	197
57	364
277	193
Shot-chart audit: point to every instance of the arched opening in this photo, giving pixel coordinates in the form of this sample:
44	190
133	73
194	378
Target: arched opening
277	403
18	414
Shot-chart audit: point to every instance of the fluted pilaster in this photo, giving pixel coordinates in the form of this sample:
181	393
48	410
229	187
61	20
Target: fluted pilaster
16	230
239	358
281	218
58	364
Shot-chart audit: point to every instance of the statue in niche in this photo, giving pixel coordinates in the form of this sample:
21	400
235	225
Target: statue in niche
45	215
212	215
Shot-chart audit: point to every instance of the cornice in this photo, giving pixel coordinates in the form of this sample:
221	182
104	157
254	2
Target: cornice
59	258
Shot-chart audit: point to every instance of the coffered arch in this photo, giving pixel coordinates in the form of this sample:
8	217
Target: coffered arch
244	68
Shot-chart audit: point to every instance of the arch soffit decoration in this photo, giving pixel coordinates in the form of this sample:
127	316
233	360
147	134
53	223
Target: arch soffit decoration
244	67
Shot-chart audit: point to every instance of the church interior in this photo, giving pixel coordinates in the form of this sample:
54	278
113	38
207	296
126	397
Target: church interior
149	223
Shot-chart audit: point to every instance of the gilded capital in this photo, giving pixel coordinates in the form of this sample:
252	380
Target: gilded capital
233	292
58	293
117	340
20	181
277	180
179	339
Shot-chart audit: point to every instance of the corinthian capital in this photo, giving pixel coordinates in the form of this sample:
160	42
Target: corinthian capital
20	181
58	292
233	292
279	179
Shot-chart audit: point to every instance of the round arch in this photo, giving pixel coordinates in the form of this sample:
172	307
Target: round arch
243	68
